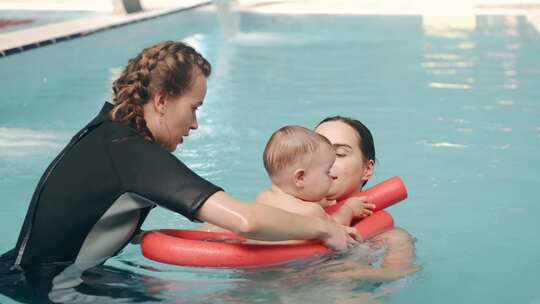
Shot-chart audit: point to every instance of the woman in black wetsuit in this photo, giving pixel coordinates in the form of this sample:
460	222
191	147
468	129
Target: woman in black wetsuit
93	198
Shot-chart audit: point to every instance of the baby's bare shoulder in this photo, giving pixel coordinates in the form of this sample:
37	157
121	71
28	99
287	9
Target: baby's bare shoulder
278	200
265	196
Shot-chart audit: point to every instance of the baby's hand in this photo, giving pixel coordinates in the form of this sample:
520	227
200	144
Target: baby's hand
360	207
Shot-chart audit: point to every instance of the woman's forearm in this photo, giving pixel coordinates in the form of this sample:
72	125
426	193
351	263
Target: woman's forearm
259	221
265	223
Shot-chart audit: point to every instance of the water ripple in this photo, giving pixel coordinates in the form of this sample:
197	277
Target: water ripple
14	141
441	144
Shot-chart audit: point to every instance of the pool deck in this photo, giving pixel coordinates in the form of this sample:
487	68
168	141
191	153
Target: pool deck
25	39
33	37
394	7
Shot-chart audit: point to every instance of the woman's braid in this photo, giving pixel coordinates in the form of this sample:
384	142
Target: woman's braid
167	67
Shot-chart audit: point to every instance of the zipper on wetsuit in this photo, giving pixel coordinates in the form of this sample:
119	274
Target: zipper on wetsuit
16	265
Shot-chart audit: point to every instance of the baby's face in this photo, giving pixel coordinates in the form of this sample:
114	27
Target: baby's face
318	175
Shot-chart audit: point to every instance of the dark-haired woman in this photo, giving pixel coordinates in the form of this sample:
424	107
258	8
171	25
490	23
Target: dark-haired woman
94	197
354	165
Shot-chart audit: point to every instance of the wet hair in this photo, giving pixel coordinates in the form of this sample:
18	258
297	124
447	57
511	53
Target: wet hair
290	144
365	139
169	67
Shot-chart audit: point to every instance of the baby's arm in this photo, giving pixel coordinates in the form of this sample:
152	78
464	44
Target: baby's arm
355	207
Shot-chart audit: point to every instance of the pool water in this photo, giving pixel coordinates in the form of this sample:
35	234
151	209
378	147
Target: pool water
453	104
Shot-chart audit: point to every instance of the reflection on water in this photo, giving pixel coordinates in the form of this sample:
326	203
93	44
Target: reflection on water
490	66
15	137
458	49
446	65
448	26
316	280
441	144
19	142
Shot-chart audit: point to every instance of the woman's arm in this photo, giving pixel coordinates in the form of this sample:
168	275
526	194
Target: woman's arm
209	228
261	222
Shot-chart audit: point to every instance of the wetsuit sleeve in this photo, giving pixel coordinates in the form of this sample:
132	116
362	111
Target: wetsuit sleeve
145	168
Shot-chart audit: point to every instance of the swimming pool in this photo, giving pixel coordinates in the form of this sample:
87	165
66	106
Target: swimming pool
452	103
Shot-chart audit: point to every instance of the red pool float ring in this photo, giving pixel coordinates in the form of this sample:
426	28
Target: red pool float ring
214	249
225	250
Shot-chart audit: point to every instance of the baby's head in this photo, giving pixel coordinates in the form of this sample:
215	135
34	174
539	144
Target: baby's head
298	161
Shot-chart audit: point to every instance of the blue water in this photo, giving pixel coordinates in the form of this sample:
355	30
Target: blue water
453	104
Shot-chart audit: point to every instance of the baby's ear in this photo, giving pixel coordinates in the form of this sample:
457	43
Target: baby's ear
299	175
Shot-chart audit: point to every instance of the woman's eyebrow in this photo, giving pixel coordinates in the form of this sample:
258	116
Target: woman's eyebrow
337	146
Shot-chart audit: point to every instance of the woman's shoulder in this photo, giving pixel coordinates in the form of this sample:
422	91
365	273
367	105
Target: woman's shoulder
120	129
123	142
122	134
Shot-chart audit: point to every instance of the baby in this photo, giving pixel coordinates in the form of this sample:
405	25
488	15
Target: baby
299	162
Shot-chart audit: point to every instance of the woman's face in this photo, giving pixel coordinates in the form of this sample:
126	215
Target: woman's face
350	170
180	114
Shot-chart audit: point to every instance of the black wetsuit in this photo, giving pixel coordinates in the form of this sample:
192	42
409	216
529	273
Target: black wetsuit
93	198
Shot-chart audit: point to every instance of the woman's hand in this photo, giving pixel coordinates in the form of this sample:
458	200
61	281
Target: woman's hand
340	237
360	206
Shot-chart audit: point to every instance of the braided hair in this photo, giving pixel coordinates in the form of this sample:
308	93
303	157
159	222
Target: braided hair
168	67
